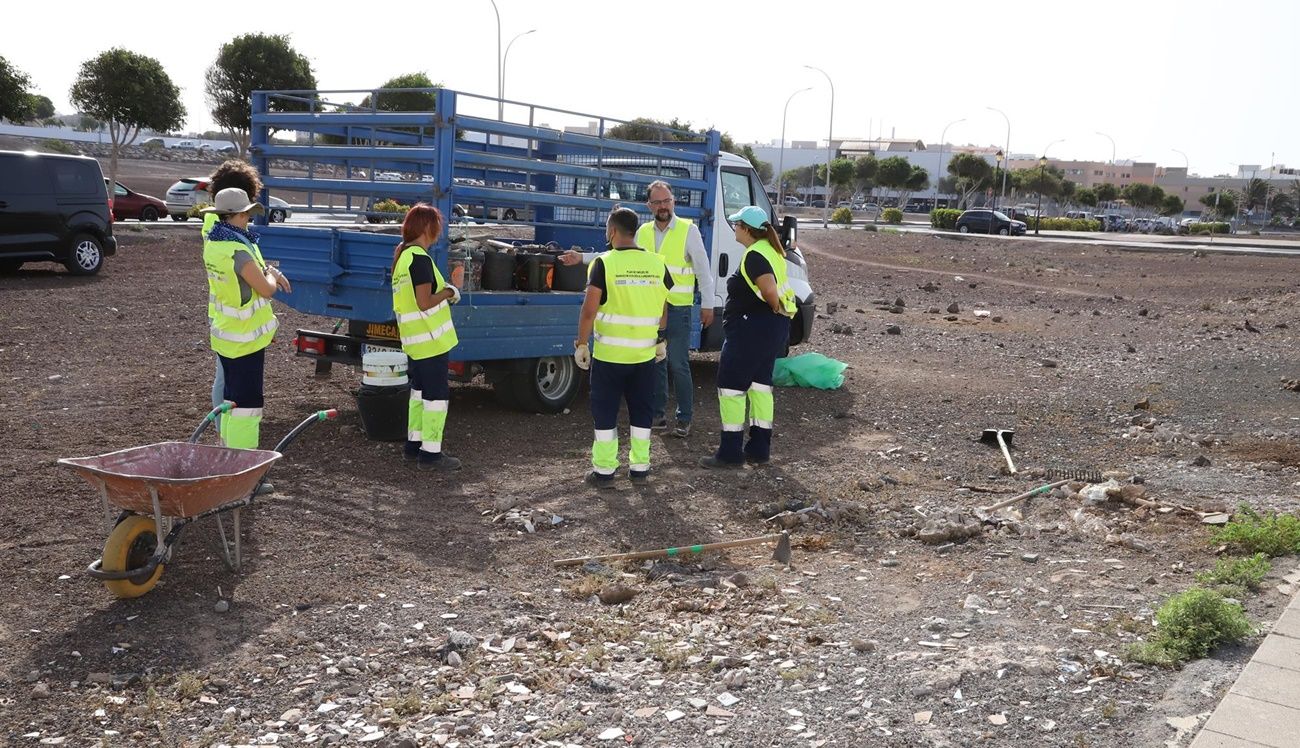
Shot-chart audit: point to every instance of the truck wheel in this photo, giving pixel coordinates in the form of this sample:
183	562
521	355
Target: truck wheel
544	385
498	374
86	257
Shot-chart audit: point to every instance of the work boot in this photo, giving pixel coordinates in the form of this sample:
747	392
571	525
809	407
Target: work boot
596	480
683	429
659	424
752	460
713	463
443	462
640	478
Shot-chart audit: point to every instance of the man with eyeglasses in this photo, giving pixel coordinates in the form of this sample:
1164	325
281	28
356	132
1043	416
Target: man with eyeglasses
678	241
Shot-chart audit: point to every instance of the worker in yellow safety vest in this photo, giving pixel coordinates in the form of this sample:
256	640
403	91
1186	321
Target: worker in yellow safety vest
756	328
241	322
624	309
422	301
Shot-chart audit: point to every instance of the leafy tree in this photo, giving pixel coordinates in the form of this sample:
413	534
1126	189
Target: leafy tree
1106	193
89	124
798	177
42	107
864	172
1046	182
1171	205
1282	203
129	91
843	172
657	131
1137	195
971	173
1086	196
249	63
1255	193
405	101
15	101
1221	204
1066	191
917	179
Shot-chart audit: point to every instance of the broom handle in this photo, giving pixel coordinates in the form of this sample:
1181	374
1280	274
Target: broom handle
669	552
1025	495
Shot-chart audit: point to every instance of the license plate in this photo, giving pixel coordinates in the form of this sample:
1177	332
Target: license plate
371	348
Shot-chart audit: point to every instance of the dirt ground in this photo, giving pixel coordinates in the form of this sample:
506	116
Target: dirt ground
381	604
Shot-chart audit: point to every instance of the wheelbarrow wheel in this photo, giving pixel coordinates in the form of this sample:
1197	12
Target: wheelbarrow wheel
130	546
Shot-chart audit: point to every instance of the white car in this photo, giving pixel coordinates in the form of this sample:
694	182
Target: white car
190	144
792	202
183	195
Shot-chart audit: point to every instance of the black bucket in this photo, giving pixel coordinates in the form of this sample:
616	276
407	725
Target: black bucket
498	271
569	277
533	272
383	411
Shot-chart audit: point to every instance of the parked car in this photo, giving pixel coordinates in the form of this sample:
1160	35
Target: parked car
127	203
186	193
54	208
228	148
1017	214
1079	215
817	204
986	221
917	206
153	143
793	202
190	144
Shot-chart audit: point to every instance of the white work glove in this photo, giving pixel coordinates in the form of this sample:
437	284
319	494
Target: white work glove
571	257
582	356
455	294
661	351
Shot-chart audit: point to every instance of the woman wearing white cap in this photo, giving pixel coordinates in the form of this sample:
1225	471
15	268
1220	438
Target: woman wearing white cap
240	284
756	328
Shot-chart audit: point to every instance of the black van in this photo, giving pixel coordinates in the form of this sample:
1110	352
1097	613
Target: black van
54	208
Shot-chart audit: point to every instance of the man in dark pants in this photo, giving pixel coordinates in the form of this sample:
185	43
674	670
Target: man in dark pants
625	308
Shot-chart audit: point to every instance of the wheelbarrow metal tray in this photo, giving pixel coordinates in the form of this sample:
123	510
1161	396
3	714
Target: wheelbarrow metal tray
190	479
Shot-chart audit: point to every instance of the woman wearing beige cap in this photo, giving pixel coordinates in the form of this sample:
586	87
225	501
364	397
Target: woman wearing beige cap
240	285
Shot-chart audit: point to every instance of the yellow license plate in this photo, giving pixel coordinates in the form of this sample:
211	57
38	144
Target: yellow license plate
377	330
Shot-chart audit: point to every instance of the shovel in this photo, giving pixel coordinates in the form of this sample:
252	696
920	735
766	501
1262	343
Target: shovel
1001	437
780	553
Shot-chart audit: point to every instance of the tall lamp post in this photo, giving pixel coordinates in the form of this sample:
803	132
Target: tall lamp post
1006	150
1042	173
938	168
1112	147
499	91
505	59
997	159
830	129
780	160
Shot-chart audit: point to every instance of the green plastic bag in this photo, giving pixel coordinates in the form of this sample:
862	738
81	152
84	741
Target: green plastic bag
809	370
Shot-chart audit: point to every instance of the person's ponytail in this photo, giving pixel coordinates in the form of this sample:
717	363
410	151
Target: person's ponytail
774	239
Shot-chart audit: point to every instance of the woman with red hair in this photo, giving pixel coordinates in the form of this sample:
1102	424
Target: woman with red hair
422	302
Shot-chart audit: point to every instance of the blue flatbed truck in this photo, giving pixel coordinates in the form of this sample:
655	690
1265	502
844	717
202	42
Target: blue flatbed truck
436	150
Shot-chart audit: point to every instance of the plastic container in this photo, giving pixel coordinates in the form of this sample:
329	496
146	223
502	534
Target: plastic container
384	369
569	277
534	272
498	271
383	411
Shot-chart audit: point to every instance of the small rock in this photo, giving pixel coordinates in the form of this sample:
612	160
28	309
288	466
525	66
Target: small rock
1029	558
292	716
616	594
612	733
726	699
717	711
100	678
454	659
899	302
222	606
739	580
1201	461
893	330
951	318
602	685
672	715
921	692
40	691
889	563
1048	363
864	645
953	308
1143	404
922	718
997	318
896	309
998	719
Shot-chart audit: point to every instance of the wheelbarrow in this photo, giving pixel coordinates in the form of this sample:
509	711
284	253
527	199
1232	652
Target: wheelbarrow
157	490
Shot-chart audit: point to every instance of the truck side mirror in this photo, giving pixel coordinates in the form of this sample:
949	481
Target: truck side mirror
789	231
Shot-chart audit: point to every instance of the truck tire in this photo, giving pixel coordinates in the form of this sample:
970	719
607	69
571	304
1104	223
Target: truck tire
498	374
538	385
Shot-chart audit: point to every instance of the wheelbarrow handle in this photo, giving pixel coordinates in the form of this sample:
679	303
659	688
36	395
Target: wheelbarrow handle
317	417
209	419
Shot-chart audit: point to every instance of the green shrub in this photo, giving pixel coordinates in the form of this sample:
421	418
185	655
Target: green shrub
869	227
1213	227
1064	224
891	215
1189	625
944	218
842	215
1250	532
390	206
59	146
1234	576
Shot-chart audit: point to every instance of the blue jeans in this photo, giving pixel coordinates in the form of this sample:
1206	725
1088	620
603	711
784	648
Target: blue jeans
678	363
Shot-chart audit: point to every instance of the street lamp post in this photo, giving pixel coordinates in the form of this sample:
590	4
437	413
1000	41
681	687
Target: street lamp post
505	59
780	160
997	159
938	168
1112	147
830	129
1042	174
499	92
1187	165
1006	150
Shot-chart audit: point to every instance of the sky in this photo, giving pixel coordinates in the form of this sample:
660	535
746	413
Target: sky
1217	81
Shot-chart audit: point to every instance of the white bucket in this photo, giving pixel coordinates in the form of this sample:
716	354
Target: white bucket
383	368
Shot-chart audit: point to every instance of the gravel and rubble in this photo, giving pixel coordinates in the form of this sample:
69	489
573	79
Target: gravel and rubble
379	605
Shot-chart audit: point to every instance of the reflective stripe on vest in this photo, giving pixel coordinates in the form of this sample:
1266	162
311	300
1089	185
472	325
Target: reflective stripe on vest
236	328
627	324
673	252
424	332
777	263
